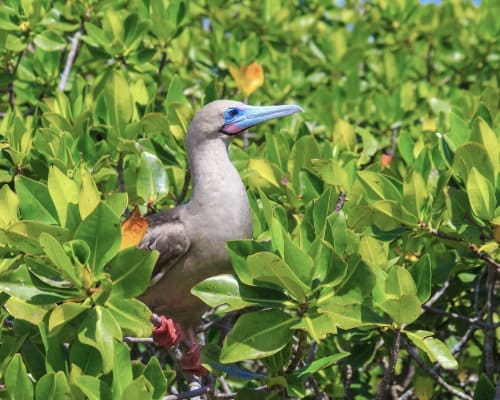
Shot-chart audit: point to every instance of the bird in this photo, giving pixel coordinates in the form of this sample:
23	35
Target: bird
191	237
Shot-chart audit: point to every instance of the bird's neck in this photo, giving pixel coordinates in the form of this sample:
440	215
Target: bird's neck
216	181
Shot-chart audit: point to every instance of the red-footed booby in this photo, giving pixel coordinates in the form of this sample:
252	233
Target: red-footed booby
191	237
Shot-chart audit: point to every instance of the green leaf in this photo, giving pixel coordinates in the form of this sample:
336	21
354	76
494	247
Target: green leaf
481	195
319	364
118	100
378	187
154	374
117	202
358	282
140	388
422	274
434	348
99	330
59	257
23	235
239	250
88	197
348	315
268	268
132	315
484	134
415	194
344	135
484	389
93	388
318	326
473	155
122	370
53	386
21	309
402	303
64	194
131	272
34	200
50	40
64	313
9	204
85	359
23	285
373	252
17	381
256	335
394	211
152	181
228	291
101	231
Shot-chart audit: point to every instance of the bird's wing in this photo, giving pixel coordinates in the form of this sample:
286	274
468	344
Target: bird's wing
167	235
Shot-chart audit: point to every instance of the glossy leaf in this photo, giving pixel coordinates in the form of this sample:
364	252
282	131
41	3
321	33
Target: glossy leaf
103	239
481	195
17	382
268	268
256	335
34	201
131	271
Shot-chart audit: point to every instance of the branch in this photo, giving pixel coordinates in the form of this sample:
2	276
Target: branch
340	202
347	382
474	321
389	372
75	40
130	339
192	393
413	354
489	333
436	296
299	352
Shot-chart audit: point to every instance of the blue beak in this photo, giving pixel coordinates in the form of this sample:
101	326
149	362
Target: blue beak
237	119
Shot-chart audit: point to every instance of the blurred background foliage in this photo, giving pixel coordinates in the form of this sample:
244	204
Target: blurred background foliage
380	200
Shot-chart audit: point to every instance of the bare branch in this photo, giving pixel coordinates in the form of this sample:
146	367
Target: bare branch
389	372
340	202
475	320
299	352
347	382
130	339
75	40
489	334
413	354
436	296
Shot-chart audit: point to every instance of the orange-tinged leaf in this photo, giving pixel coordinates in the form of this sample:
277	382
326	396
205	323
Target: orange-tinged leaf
133	229
386	159
248	78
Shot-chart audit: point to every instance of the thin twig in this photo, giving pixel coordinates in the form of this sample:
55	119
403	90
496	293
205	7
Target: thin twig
75	40
489	334
190	394
475	320
347	382
436	296
389	372
340	202
298	354
130	339
413	354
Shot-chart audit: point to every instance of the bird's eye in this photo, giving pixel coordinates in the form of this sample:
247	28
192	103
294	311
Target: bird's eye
231	113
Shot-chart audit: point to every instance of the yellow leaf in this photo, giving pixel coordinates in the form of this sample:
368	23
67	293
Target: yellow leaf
133	229
248	78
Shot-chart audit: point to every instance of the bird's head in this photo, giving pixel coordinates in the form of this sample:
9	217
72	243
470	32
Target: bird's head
222	119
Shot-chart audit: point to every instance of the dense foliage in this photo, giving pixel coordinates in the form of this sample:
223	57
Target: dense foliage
373	266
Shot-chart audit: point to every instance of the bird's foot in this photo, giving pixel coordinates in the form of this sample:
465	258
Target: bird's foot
191	359
168	333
